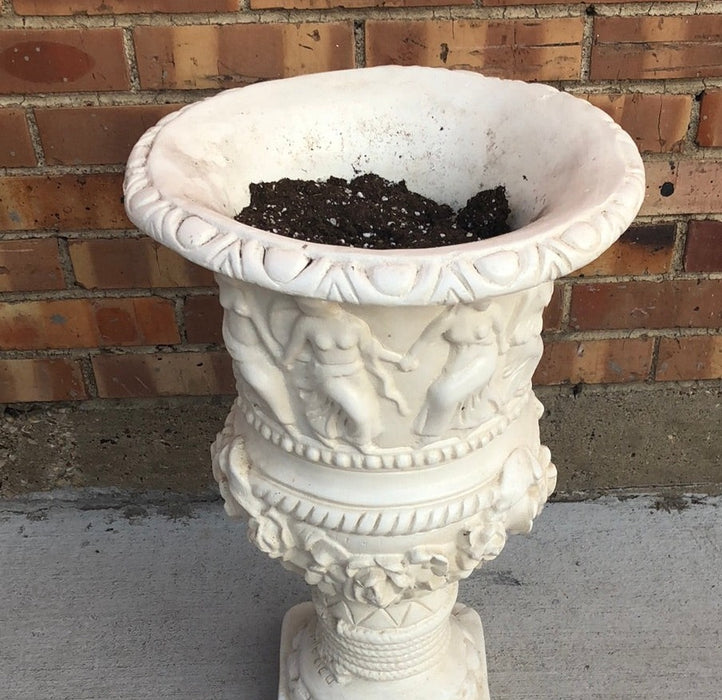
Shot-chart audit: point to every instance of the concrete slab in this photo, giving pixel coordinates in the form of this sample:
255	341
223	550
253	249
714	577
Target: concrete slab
608	599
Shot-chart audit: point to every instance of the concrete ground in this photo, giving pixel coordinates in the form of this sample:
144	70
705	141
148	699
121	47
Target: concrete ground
103	599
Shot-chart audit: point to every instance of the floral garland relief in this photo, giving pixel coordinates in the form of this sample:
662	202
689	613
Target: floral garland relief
382	580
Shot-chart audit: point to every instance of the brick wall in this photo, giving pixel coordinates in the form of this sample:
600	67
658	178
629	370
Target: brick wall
91	309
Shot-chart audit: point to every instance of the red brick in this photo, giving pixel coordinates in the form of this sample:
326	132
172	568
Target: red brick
657	123
668	304
327	4
62	60
703	252
86	323
657	28
606	361
641	250
116	7
94	135
203	317
548	49
164	374
41	379
698	357
709	132
127	263
62	203
29	265
16	149
505	3
554	310
683	187
657	47
213	56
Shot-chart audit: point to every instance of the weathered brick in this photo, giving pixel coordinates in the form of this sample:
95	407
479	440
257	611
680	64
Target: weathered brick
657	123
164	374
703	251
203	317
641	250
606	361
16	149
709	132
28	265
213	56
637	304
657	47
62	202
94	135
698	357
327	4
41	379
116	7
505	3
553	311
86	323
548	49
684	187
126	263
62	60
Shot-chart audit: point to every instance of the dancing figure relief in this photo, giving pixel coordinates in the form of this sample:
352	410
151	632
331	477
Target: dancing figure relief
525	343
258	359
459	397
344	375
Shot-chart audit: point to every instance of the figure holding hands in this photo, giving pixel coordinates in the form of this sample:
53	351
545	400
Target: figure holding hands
344	368
456	398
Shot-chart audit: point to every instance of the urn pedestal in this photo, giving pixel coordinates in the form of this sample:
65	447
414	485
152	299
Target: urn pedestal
385	437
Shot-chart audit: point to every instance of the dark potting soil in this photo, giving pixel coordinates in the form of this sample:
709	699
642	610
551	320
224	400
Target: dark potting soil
371	212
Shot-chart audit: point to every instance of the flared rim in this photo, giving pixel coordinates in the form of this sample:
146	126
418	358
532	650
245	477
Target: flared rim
519	260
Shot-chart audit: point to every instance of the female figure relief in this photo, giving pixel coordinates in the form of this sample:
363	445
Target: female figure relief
457	397
257	357
524	329
342	400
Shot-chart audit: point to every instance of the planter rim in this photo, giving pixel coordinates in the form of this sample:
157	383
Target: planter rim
529	255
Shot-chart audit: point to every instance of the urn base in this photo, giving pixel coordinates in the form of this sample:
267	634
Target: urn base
458	674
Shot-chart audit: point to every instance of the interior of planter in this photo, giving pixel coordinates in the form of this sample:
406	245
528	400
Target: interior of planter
446	133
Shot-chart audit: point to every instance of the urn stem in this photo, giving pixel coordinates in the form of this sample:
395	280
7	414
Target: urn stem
390	652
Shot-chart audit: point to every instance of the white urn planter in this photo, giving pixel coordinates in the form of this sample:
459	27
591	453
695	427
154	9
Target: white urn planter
385	437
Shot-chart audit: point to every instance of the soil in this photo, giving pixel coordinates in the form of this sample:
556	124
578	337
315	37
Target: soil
371	212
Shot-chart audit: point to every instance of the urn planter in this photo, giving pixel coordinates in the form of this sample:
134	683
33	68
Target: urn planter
385	437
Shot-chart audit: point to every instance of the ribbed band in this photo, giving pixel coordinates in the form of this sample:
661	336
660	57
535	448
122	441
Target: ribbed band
384	654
